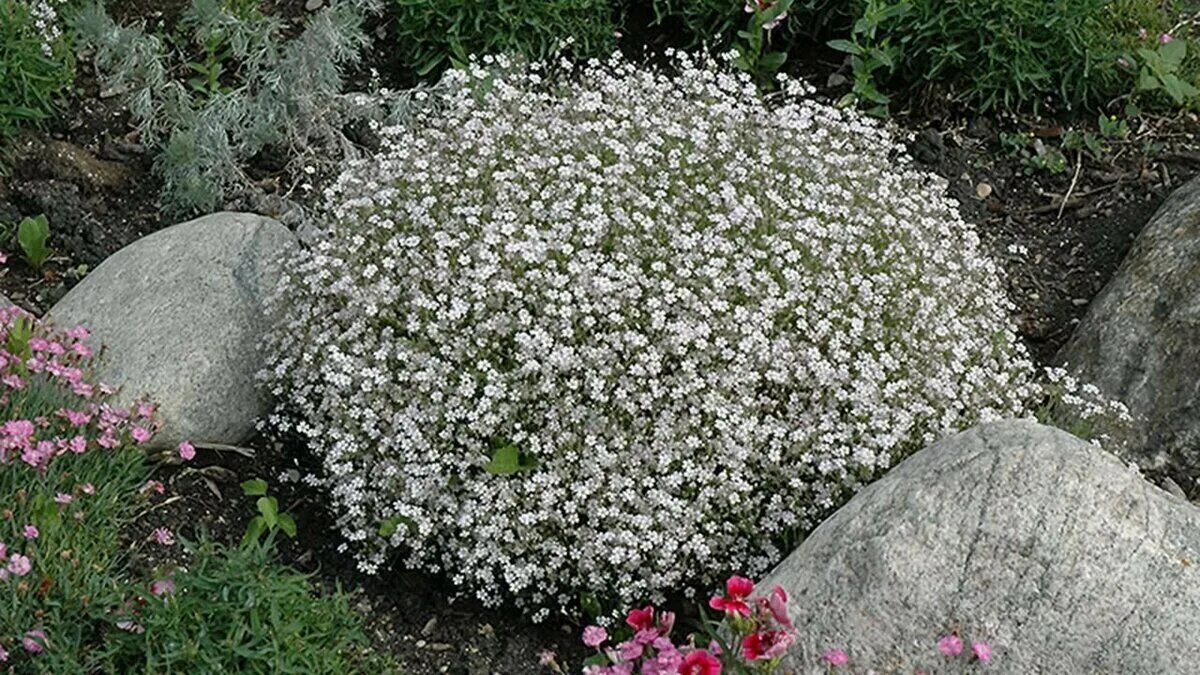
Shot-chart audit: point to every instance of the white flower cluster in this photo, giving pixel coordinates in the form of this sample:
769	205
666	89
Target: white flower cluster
701	319
44	14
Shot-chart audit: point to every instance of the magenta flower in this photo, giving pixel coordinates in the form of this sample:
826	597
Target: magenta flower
737	589
630	650
593	636
154	486
950	645
836	657
186	451
641	619
3	652
700	663
776	604
88	489
30	531
163	536
141	434
34	641
19	565
1165	38
145	410
982	651
78	445
63	498
78	333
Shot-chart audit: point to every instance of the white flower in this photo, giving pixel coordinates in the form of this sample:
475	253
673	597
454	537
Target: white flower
703	322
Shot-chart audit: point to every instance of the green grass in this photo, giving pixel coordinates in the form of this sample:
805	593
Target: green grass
30	79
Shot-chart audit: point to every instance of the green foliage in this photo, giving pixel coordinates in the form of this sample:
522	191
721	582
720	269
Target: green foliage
238	610
432	33
507	460
228	86
35	67
754	55
1162	71
870	53
1015	54
269	519
32	235
715	22
78	563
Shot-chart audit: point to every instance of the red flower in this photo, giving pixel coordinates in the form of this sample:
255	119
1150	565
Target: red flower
737	589
766	645
641	619
700	663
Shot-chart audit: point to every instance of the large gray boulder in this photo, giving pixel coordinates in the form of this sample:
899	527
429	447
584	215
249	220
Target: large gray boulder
1058	555
1140	340
180	315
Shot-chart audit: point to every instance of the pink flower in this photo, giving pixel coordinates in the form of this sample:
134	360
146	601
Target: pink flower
82	389
766	645
81	349
75	417
700	663
162	587
145	410
950	645
776	604
30	531
3	259
546	657
34	641
163	536
154	486
141	434
186	451
3	653
641	619
737	589
38	345
78	333
630	650
1165	38
19	565
88	489
63	498
13	381
131	626
593	636
982	651
3	551
836	657
666	622
78	445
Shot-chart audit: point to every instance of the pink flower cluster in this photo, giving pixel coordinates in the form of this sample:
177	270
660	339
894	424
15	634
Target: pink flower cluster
759	623
35	363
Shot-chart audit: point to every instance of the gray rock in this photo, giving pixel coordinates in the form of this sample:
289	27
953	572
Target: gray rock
1054	552
1140	339
180	315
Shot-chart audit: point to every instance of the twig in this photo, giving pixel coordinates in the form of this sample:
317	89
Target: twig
1074	181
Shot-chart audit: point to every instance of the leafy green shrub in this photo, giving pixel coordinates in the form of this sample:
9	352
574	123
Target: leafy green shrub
235	609
1016	54
716	22
429	33
245	89
35	62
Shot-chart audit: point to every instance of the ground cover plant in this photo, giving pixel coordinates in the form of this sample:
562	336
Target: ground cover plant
644	327
36	64
72	478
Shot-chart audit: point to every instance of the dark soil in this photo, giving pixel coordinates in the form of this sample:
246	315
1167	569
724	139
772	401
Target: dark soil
94	181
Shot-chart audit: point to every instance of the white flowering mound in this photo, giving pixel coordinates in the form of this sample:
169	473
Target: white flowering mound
617	331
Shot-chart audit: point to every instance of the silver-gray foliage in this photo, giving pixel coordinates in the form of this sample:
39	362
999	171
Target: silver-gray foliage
287	94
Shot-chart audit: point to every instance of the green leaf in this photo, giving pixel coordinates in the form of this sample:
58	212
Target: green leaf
388	527
596	660
269	508
255	487
589	604
287	524
507	460
254	530
32	234
1147	81
845	46
1173	53
773	61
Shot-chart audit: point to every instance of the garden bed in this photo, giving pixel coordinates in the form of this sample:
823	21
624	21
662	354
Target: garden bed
1060	235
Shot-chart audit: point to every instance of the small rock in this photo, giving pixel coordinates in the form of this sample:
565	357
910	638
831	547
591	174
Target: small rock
1079	302
439	647
983	190
430	626
314	5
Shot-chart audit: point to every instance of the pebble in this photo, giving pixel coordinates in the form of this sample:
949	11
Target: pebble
314	5
983	190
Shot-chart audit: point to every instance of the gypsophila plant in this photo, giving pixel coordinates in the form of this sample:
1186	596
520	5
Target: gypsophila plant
608	331
230	86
